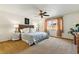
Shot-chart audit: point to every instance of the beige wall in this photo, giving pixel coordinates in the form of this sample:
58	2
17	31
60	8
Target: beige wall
69	21
7	23
39	21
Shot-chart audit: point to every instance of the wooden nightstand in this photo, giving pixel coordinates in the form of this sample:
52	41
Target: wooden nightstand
15	36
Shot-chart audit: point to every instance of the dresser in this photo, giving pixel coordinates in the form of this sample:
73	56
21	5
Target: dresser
77	42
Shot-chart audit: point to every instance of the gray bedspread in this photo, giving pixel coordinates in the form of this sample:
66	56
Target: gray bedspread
34	37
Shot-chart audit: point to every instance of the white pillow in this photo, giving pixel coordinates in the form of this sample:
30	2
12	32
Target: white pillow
26	30
32	30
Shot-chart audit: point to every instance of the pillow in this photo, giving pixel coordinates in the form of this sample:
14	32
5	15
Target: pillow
26	30
32	30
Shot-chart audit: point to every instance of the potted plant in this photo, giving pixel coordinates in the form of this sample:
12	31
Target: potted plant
73	32
77	25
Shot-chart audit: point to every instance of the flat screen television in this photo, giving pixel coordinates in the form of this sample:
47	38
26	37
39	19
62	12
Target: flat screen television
26	21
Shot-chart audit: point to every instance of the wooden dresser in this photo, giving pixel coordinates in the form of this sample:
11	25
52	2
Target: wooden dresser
77	42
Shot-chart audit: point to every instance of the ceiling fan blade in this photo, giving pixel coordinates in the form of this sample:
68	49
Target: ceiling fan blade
44	12
40	10
46	15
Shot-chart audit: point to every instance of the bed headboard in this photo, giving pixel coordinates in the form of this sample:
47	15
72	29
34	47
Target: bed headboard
22	26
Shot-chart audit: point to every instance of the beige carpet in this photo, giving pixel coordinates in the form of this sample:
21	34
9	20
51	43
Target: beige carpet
12	46
52	46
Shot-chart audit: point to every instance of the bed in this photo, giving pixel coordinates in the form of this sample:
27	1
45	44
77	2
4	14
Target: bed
34	37
30	37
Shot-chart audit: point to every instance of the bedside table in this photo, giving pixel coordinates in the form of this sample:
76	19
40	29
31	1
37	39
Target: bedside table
15	36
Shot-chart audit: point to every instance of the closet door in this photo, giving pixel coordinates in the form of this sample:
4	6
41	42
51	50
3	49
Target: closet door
54	27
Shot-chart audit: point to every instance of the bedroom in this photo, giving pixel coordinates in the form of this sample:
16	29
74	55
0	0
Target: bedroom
13	16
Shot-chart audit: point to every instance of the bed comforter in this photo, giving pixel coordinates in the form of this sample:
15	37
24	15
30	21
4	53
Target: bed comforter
35	37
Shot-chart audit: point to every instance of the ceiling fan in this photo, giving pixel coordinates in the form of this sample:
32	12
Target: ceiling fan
42	14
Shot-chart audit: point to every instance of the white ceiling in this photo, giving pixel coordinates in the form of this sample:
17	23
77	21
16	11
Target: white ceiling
32	10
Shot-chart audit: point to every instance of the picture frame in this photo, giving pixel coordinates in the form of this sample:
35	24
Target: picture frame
26	20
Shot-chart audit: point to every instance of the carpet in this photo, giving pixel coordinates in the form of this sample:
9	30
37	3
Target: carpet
52	46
